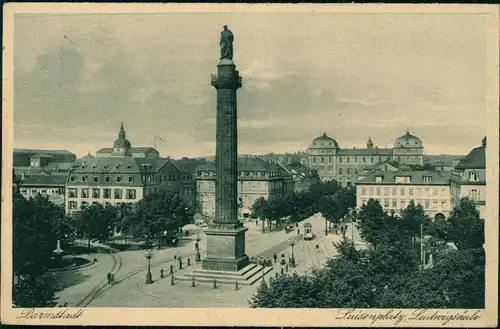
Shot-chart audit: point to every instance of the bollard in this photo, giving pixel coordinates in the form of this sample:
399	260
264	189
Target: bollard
236	285
192	282
180	264
215	284
189	262
172	280
171	269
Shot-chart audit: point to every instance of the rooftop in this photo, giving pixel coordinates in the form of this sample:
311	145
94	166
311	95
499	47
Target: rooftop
44	180
416	177
247	164
366	151
48	152
109	150
121	165
476	159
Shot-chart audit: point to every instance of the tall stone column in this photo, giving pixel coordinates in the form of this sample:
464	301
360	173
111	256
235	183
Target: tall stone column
226	235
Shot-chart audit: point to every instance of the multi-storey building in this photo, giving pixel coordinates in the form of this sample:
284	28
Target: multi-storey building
121	178
469	178
395	190
51	186
32	162
303	177
344	165
256	178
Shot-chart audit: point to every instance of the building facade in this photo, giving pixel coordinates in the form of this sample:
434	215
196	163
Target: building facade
395	190
51	186
121	178
344	165
256	178
469	178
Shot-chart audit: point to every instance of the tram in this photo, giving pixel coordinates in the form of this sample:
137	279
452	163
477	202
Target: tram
308	234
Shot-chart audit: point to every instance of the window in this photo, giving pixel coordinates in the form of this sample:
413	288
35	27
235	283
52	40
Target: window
355	159
85	192
372	160
410	191
106	193
85	178
72	178
96	179
364	160
427	179
96	193
118	179
130	194
378	179
473	176
443	204
314	159
340	159
348	159
95	202
427	204
371	190
386	191
403	204
473	194
107	179
434	204
322	159
84	204
348	171
131	179
72	193
394	191
72	205
402	191
394	203
378	190
386	203
340	171
330	159
118	193
363	191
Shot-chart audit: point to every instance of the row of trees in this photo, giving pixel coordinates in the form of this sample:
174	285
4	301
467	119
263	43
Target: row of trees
38	224
390	275
325	197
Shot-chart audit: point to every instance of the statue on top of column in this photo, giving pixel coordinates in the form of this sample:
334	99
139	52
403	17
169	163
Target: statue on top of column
226	44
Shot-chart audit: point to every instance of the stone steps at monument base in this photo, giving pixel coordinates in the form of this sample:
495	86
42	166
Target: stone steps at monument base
242	272
250	277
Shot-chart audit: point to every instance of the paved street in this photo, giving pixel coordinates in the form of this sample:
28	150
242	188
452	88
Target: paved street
130	290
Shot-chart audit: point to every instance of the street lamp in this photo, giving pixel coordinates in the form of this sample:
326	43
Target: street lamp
148	254
326	226
292	259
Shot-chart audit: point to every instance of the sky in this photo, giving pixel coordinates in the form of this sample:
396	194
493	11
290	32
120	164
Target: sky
349	75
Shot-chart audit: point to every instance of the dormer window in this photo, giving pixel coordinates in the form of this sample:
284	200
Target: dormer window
117	166
427	179
473	176
106	166
118	179
128	166
378	179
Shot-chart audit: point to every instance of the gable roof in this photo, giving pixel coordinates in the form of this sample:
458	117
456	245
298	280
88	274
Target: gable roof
247	164
476	159
416	177
121	165
109	150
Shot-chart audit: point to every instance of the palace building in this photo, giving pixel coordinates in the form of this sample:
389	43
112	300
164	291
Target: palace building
256	178
121	178
344	165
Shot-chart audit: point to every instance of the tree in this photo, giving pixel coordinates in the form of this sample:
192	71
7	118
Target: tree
259	208
159	213
412	219
34	227
373	221
467	228
97	222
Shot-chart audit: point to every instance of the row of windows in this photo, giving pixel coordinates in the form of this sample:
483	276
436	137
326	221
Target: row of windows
73	205
106	193
244	174
426	204
42	191
475	194
130	179
348	171
402	191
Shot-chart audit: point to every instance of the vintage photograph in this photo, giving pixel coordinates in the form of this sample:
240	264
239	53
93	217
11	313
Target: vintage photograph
251	160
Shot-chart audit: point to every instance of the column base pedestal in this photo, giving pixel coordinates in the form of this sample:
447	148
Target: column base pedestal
225	248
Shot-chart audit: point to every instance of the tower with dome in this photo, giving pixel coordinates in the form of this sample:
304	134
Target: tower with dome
345	164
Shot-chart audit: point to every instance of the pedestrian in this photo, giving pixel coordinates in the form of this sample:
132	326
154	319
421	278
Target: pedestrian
317	246
161	273
256	222
196	246
95	260
109	277
175	257
187	233
286	267
275	257
296	224
298	231
65	304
